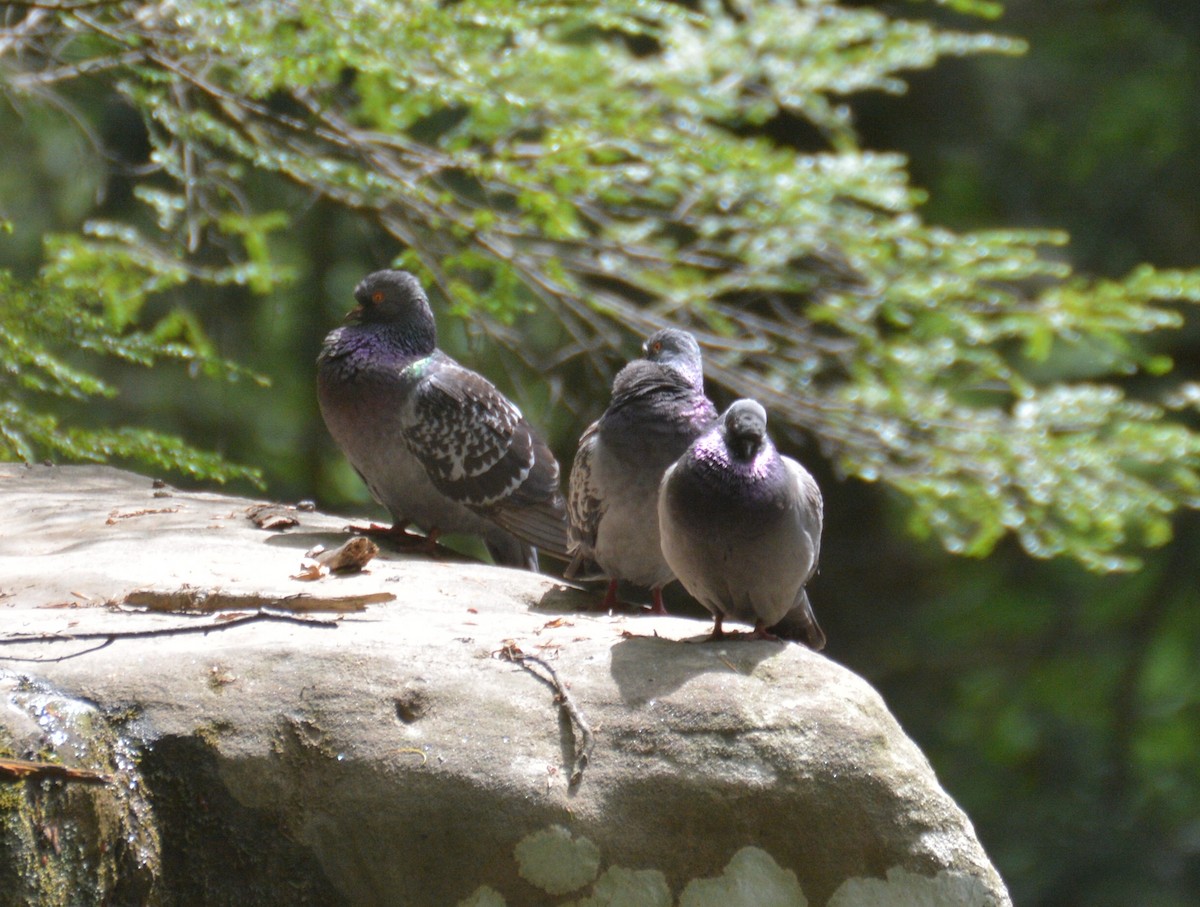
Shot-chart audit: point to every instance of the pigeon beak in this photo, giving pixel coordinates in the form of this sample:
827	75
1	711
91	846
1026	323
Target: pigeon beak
354	315
744	448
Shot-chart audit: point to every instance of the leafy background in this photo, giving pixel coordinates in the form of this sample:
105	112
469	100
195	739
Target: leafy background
174	259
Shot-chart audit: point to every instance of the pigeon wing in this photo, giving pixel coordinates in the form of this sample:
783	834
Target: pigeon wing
810	508
585	504
479	451
800	623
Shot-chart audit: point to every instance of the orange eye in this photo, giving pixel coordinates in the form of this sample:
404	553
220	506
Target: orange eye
377	297
656	346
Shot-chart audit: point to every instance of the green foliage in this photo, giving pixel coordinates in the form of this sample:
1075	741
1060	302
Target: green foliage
43	329
611	165
567	176
607	163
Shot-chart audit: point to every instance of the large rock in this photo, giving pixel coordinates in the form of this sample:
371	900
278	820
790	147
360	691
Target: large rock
397	757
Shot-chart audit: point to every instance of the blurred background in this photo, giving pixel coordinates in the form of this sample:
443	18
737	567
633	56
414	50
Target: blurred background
1061	708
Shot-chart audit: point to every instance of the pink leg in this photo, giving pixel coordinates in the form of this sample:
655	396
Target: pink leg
430	545
761	632
610	597
658	607
717	632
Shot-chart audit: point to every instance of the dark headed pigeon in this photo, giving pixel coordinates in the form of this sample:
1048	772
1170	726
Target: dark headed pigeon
658	408
436	443
741	527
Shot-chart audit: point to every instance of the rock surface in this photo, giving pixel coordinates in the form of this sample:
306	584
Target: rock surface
394	757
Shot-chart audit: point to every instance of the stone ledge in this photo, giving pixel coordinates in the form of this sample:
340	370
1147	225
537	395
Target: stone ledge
394	759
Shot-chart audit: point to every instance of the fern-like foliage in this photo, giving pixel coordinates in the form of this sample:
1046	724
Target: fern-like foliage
46	335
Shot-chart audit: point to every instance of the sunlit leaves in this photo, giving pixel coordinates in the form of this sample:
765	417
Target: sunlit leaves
615	167
50	335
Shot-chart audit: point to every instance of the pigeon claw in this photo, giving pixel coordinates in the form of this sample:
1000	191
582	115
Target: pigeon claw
761	632
717	632
612	603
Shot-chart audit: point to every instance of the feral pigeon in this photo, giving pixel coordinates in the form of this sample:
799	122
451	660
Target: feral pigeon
741	527
658	408
436	443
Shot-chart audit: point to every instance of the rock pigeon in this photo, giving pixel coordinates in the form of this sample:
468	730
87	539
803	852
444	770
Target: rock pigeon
741	527
658	408
437	444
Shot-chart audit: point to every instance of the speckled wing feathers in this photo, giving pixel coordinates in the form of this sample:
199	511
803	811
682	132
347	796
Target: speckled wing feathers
471	440
478	450
585	501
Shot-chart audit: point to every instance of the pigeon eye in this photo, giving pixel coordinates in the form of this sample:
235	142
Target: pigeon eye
656	346
377	297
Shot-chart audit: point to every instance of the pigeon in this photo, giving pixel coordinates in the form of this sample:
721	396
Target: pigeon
658	408
436	443
741	527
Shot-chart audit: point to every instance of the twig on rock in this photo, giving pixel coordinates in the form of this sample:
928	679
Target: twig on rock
107	637
191	599
20	769
583	749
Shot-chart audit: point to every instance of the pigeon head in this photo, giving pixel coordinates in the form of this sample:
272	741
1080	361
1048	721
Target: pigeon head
395	299
389	297
745	428
677	349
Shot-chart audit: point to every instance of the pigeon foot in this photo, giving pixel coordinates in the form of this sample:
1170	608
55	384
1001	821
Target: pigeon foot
398	535
759	632
612	603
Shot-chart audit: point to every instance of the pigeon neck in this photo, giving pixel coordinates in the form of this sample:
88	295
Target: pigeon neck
367	346
414	338
691	372
752	462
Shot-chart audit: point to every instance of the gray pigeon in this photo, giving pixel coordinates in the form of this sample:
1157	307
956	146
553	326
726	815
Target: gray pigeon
741	527
436	443
658	408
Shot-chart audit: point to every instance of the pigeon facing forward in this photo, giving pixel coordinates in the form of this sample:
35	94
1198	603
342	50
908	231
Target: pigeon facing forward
436	443
658	408
741	527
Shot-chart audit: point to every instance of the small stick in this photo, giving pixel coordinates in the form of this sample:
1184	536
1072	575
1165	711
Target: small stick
108	636
20	769
583	751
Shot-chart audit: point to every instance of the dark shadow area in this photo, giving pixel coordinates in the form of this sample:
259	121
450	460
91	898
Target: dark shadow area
214	850
564	599
588	595
649	667
389	549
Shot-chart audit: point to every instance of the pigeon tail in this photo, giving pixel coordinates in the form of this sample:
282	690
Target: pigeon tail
583	567
509	551
800	624
543	525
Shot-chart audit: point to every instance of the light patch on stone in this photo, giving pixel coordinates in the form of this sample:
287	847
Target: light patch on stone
555	862
946	889
752	879
621	887
483	896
